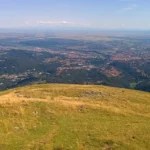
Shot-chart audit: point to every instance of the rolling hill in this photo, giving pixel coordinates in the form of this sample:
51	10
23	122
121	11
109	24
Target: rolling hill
74	117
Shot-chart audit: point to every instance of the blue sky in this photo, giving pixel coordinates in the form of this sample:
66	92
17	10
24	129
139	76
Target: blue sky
103	14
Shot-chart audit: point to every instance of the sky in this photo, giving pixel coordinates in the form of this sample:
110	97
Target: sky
101	14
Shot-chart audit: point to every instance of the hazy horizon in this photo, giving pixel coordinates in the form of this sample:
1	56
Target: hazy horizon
108	15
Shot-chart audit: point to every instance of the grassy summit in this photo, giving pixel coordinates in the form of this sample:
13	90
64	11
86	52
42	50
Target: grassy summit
74	117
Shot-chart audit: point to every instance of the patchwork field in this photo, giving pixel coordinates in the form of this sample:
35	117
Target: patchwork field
74	117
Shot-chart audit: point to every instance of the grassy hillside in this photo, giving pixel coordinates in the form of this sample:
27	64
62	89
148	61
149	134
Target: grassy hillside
74	117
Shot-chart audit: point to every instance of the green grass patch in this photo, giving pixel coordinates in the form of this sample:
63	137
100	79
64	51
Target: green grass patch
79	121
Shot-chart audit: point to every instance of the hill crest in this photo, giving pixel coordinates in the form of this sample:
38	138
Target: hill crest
59	116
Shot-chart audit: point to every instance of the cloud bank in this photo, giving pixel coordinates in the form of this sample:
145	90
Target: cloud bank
54	23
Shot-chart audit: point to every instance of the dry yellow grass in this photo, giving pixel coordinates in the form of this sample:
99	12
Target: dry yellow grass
58	116
112	99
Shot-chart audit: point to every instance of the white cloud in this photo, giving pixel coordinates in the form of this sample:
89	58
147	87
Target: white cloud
132	7
54	23
26	22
